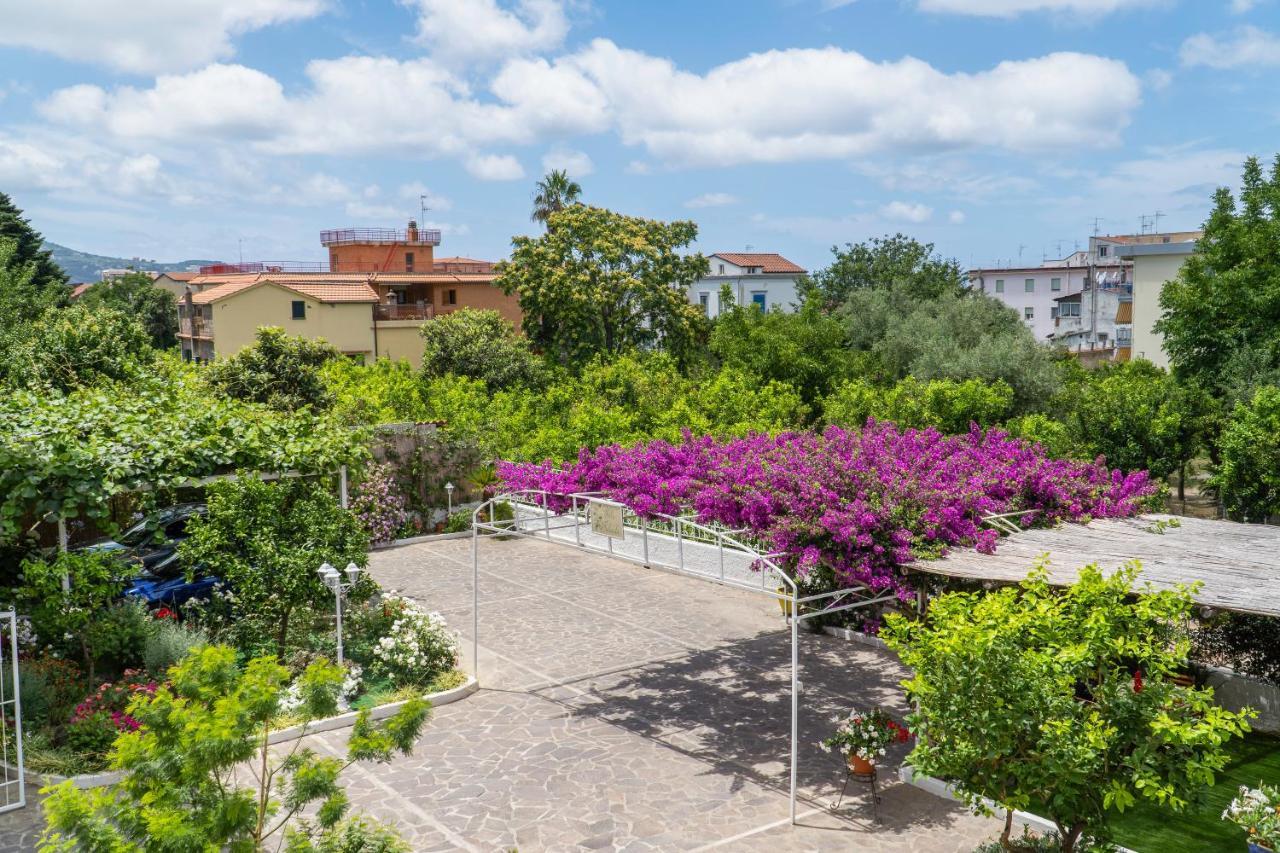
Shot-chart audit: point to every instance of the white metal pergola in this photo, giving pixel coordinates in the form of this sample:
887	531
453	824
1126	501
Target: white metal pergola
668	543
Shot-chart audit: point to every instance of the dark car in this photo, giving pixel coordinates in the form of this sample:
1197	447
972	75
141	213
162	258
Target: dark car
150	548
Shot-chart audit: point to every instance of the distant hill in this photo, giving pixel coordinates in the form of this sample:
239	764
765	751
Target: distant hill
82	266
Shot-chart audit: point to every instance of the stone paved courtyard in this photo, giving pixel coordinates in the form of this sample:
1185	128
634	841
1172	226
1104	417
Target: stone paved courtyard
654	718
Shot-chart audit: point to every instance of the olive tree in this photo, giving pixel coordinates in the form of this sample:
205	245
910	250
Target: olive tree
1061	701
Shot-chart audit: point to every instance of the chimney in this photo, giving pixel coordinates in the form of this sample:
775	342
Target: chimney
412	232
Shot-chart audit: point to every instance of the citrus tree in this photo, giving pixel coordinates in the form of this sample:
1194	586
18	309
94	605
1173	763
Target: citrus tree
184	786
1061	702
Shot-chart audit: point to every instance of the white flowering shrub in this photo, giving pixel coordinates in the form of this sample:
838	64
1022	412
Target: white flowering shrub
416	645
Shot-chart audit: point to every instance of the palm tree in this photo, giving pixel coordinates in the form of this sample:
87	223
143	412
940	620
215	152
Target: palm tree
553	194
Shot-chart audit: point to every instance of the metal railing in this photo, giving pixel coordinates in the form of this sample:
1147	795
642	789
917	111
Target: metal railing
348	236
195	327
404	311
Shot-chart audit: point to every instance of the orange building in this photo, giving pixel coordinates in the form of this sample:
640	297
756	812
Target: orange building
399	283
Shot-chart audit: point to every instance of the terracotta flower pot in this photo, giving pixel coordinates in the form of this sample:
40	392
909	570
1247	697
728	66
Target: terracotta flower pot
861	766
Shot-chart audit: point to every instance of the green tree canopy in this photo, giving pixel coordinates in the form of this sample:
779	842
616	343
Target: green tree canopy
185	785
136	295
1138	416
1061	701
277	370
896	263
806	349
266	540
29	250
1248	479
948	405
76	347
479	345
599	282
1222	313
553	194
22	300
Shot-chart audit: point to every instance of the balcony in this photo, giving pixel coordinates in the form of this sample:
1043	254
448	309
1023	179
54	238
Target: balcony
380	237
405	311
195	327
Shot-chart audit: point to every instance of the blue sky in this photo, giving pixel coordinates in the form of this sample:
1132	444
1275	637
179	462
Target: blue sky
989	127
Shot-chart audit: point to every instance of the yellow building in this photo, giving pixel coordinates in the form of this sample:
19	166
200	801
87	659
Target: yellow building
383	285
1153	265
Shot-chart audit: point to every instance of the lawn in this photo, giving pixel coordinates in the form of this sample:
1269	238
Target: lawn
1148	828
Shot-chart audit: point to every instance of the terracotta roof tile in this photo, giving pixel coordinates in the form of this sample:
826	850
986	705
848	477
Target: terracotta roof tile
769	262
321	291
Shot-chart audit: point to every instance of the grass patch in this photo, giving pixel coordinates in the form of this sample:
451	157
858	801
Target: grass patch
1149	828
384	696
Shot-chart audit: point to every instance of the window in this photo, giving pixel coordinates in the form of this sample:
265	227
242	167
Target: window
722	269
1030	285
1029	312
299	309
999	285
1102	251
760	299
451	298
1069	309
1055	284
1165	239
704	300
1053	312
408	261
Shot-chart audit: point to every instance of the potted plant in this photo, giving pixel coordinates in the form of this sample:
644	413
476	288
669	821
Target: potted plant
863	736
1257	812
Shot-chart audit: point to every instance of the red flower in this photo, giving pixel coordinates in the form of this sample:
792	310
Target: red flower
165	613
1137	681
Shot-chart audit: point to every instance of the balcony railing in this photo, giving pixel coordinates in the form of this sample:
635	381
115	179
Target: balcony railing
406	311
195	327
380	236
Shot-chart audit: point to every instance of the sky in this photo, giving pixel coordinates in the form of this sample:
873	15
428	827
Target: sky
1002	131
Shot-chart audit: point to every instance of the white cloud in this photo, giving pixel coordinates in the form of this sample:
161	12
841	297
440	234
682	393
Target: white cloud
144	36
854	106
577	163
494	167
1157	79
956	217
1012	8
902	211
712	200
468	30
1240	7
366	211
416	190
1247	46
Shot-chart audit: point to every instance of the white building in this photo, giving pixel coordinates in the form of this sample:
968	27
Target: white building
1034	291
765	279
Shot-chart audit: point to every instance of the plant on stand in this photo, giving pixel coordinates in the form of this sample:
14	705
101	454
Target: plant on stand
863	736
1257	812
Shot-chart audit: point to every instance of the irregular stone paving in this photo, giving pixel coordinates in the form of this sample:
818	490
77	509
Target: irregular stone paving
627	709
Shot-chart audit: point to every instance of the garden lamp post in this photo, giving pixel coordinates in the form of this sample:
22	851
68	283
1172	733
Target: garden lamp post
448	488
331	578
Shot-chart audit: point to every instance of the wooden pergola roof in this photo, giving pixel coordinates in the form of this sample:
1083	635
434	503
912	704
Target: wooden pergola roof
1238	565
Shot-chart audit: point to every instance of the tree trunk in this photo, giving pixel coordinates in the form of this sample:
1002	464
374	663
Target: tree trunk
1182	485
1005	840
1070	838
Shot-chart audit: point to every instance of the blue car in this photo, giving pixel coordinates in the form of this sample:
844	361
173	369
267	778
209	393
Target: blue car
165	583
150	549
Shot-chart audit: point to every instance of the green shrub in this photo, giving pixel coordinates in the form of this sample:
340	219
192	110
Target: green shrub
55	684
1053	435
1249	478
66	618
117	635
34	694
946	404
458	522
167	643
91	735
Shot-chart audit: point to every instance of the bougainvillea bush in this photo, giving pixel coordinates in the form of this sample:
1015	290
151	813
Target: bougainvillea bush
848	507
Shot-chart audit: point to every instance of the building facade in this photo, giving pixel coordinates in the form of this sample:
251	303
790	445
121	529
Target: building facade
764	279
365	313
1153	265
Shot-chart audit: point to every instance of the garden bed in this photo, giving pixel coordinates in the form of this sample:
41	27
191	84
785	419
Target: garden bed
437	698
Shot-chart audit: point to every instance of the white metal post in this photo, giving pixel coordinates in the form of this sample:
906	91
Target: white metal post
795	698
680	543
475	600
342	486
577	525
62	546
17	708
337	592
644	536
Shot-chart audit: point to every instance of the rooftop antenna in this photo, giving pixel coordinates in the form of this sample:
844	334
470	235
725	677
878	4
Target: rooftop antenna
1096	220
240	243
1021	246
422	210
748	248
1155	217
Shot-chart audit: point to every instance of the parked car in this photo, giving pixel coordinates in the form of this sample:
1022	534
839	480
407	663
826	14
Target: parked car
150	549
